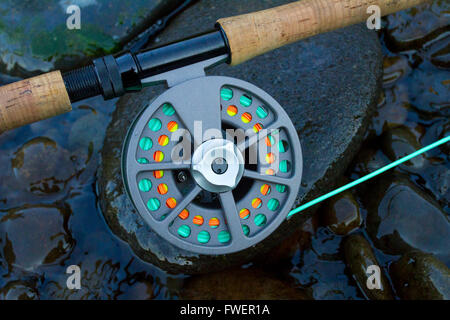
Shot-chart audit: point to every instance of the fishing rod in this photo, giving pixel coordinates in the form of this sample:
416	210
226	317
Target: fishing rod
241	204
240	38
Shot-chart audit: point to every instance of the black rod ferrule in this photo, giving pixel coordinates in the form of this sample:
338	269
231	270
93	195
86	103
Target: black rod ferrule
180	54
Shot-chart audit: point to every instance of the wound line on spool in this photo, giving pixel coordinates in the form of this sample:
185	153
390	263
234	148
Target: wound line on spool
367	177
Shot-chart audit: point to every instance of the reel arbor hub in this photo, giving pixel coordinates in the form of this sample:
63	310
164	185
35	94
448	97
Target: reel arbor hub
217	165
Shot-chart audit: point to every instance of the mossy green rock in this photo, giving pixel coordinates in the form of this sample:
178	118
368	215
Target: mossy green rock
421	276
35	37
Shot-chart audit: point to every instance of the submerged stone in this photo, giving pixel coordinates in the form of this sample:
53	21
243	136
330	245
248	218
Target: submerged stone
87	133
328	85
421	276
42	166
18	290
35	37
47	240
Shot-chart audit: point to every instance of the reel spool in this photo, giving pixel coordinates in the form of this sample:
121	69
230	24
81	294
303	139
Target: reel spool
203	192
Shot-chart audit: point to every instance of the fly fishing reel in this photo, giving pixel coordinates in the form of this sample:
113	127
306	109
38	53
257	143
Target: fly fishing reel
213	165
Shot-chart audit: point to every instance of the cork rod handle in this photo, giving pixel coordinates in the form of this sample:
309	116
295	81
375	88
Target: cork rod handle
33	99
255	33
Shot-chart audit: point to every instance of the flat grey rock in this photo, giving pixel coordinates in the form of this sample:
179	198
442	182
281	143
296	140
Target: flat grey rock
329	86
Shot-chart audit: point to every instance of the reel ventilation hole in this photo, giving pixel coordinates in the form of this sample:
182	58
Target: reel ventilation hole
183	204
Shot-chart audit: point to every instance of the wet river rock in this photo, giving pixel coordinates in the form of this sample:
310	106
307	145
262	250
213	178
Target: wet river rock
329	86
42	166
47	241
401	217
419	27
341	214
421	276
399	142
358	257
18	290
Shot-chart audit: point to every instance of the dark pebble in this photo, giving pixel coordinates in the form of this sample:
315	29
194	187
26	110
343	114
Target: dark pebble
341	214
358	257
401	141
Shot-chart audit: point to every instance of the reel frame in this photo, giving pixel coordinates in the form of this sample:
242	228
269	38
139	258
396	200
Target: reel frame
191	105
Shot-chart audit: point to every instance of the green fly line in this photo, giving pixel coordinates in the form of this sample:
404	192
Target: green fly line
369	176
